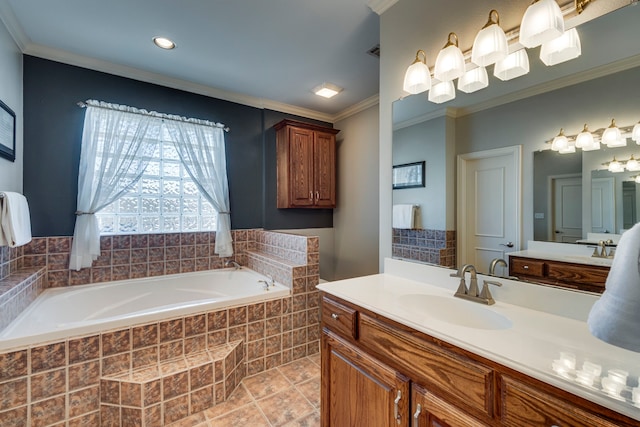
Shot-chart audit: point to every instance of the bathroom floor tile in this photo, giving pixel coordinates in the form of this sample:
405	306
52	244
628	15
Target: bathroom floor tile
299	371
248	415
284	407
266	383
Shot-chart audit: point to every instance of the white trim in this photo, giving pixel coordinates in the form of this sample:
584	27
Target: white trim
13	25
380	6
444	112
462	162
357	108
551	202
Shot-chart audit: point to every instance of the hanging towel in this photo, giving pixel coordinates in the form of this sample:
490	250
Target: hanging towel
615	317
404	216
15	221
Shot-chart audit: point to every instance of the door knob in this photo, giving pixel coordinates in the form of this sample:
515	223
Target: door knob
508	244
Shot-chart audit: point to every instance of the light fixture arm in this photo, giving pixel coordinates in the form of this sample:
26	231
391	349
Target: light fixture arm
449	42
424	57
581	4
491	22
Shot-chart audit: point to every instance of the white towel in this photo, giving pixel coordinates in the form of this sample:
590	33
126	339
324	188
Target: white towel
15	221
615	317
404	216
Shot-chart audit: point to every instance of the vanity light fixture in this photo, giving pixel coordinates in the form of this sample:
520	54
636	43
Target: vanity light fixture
585	138
473	80
542	22
635	133
570	148
632	165
442	92
615	166
450	61
164	43
327	90
490	45
514	65
561	49
417	79
612	137
560	142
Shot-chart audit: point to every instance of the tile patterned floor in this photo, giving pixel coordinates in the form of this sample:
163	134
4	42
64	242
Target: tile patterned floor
287	396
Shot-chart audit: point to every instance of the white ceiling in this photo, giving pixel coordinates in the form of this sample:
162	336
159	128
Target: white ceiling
262	53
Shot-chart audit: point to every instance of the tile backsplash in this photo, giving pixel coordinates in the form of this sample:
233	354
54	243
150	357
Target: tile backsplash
430	246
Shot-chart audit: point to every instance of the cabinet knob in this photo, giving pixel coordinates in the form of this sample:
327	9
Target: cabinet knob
416	415
526	267
335	316
311	196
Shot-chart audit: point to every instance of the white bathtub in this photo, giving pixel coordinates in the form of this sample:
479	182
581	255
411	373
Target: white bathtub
59	313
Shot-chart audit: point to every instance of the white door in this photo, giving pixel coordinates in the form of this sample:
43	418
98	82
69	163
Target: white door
488	206
603	205
566	225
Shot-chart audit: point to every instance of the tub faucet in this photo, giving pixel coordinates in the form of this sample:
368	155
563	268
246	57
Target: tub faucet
234	264
494	264
266	284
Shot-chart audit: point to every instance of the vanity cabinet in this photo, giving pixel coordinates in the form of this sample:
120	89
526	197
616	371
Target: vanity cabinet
306	165
569	275
378	372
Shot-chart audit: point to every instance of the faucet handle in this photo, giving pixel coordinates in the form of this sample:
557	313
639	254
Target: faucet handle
485	295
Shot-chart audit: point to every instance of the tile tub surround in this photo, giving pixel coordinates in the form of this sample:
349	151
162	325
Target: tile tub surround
9	261
430	246
49	383
18	290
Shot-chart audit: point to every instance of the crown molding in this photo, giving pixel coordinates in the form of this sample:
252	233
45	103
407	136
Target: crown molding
443	112
380	6
580	77
12	25
357	108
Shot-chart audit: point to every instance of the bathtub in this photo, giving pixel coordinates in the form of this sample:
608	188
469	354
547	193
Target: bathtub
59	313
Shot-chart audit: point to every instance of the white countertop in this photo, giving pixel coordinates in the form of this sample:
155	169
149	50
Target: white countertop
544	322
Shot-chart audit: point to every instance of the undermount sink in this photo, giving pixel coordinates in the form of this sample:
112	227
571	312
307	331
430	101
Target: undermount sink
455	311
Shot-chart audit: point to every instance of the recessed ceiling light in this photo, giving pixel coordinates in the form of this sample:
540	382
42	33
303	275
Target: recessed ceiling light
164	43
327	90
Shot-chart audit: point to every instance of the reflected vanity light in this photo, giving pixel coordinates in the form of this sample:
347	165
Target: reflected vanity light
560	142
514	65
612	136
442	92
542	22
490	45
615	166
561	49
473	80
632	165
635	133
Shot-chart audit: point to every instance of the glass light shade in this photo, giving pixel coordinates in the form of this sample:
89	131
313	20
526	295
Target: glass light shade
632	164
637	179
514	65
595	145
542	22
615	166
560	142
442	92
584	138
635	133
449	62
570	148
612	136
417	79
490	44
473	80
561	49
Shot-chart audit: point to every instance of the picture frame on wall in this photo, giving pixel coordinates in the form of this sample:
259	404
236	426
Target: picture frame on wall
409	175
7	132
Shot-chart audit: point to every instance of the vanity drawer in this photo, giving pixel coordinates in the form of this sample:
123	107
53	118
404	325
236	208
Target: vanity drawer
339	318
523	405
526	267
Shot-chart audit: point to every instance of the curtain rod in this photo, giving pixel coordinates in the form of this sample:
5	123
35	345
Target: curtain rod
83	104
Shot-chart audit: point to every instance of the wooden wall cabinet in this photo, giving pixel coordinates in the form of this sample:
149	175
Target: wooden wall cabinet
377	372
584	277
306	165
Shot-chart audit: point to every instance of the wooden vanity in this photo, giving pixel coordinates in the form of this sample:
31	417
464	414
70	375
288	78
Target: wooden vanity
379	372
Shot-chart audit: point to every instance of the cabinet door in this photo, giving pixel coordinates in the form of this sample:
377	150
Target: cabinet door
358	390
428	410
324	170
301	186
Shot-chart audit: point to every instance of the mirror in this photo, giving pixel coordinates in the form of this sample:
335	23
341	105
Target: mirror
438	137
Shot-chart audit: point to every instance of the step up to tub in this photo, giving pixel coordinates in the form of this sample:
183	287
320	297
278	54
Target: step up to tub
168	391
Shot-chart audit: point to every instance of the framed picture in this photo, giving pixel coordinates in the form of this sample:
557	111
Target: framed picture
409	175
7	132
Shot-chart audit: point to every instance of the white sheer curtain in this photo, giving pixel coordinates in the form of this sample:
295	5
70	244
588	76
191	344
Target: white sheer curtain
116	144
201	149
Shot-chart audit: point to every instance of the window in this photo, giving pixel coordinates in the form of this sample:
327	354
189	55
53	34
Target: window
164	200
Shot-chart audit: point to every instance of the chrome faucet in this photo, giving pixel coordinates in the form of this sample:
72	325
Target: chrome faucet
471	293
600	251
494	264
266	284
234	264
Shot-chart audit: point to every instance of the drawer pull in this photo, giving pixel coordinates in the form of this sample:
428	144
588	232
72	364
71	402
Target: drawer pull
311	196
526	267
396	402
416	415
335	316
